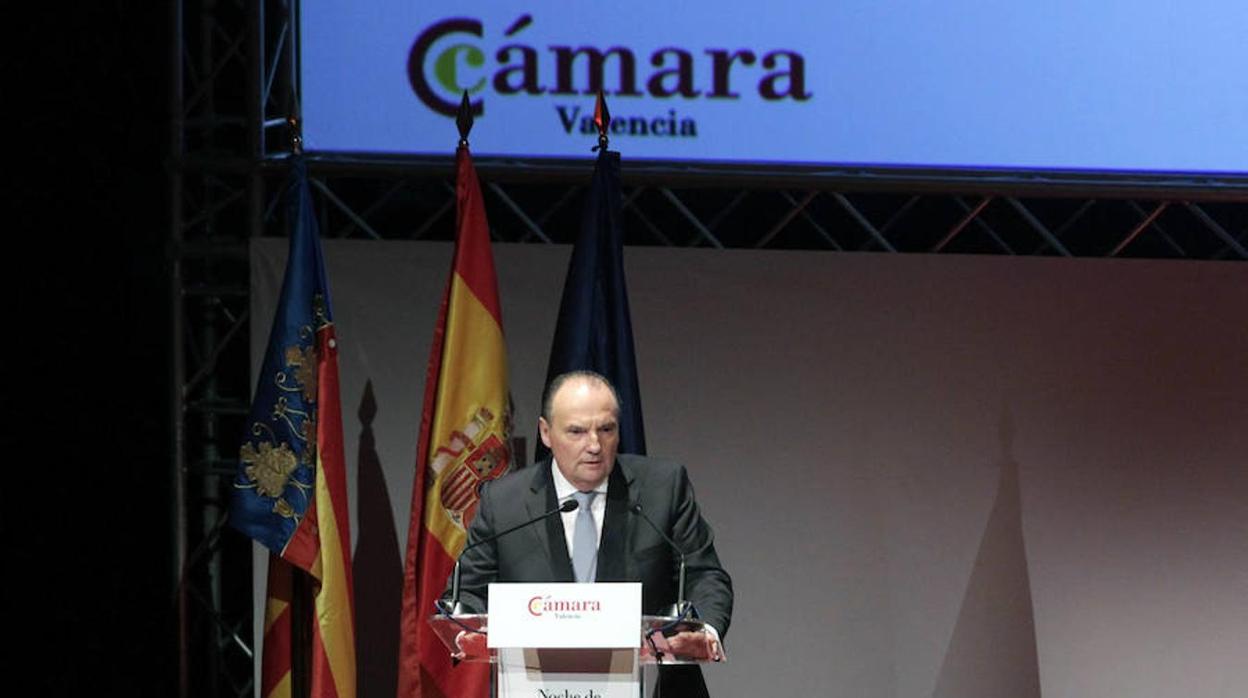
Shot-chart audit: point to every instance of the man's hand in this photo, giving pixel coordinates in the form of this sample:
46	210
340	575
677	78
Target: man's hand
471	646
695	645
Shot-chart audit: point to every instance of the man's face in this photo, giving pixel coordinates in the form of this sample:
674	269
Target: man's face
583	432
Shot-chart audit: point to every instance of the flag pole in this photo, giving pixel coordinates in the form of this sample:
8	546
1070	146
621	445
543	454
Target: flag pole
290	489
466	413
463	122
301	607
594	327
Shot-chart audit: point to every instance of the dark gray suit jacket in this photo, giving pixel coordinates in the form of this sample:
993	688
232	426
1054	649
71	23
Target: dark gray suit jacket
629	551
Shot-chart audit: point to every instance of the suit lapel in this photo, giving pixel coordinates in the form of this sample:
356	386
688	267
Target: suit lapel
542	499
612	558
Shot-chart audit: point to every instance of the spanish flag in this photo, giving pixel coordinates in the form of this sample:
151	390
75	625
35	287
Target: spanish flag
290	492
465	434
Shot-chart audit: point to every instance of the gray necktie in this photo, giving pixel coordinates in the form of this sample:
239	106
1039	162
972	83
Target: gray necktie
584	539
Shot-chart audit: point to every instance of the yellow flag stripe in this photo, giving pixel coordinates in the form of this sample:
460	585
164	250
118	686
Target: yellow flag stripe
333	606
282	689
273	609
474	364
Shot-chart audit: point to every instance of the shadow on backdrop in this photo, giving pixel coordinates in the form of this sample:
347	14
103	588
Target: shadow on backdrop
377	566
993	648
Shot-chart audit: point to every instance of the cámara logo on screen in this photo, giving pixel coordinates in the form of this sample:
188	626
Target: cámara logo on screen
455	55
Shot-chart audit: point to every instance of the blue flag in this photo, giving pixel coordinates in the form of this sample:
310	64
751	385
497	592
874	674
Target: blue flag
274	486
594	330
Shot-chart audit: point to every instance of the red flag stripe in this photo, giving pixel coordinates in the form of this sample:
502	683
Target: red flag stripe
466	380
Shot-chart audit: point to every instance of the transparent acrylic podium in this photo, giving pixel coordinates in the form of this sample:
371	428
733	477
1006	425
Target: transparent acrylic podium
609	672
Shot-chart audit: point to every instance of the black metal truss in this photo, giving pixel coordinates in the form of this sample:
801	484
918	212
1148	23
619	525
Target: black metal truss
811	217
230	67
234	86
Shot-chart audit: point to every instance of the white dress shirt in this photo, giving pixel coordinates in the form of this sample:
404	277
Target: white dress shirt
564	491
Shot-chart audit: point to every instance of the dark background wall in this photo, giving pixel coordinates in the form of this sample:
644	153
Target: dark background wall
86	507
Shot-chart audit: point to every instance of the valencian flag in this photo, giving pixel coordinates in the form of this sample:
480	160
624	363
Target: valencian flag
290	493
594	331
465	434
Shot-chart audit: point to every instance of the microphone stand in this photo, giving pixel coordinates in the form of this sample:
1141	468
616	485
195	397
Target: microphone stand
682	607
454	607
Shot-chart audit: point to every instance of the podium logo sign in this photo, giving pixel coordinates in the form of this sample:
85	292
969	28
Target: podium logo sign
563	608
606	615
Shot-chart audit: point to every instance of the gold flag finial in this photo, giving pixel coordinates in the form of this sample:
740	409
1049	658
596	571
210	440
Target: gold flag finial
463	120
296	134
602	119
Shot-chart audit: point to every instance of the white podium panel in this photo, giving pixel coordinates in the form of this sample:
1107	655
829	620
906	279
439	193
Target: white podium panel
566	640
568	673
553	615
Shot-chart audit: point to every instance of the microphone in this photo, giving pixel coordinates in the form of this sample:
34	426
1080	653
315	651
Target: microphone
457	608
681	607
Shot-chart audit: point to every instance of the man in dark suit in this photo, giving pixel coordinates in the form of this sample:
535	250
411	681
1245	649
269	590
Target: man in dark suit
579	424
